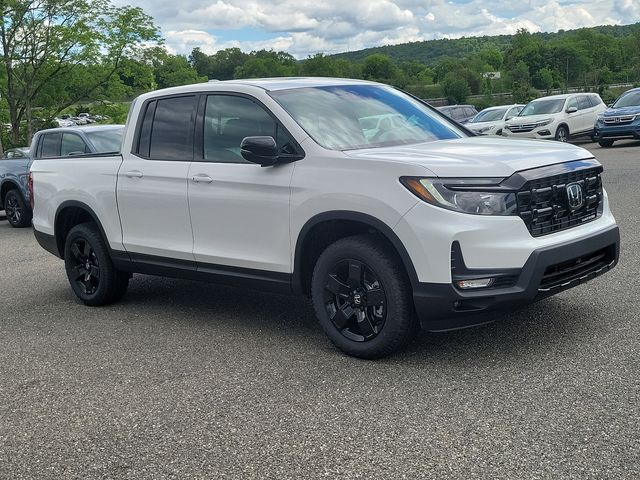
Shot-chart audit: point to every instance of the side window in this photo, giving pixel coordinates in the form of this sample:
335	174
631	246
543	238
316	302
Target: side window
145	130
228	120
72	144
583	102
457	113
50	145
171	132
572	102
595	100
469	112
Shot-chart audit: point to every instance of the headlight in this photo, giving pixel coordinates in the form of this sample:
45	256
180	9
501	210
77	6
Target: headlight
542	123
474	196
484	129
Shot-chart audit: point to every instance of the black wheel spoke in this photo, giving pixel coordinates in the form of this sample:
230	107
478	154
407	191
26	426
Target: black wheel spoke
337	287
343	315
95	272
87	250
366	329
75	250
355	274
374	297
79	272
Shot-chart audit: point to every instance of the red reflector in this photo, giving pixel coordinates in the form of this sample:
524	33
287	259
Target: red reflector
30	188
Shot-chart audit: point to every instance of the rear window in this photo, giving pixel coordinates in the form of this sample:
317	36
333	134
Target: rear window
50	145
106	141
166	132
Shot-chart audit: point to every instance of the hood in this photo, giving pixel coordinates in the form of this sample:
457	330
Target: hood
530	119
614	112
477	156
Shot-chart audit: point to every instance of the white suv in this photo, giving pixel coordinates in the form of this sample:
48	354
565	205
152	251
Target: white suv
491	121
558	117
282	185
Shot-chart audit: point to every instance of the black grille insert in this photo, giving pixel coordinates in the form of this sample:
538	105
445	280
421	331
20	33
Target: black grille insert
579	268
543	203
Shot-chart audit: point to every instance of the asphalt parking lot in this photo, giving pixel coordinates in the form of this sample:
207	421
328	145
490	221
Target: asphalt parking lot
189	380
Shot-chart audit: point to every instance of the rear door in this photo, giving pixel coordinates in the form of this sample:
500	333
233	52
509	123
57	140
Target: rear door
152	181
239	210
585	113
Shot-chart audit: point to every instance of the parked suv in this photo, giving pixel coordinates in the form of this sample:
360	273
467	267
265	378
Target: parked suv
460	113
621	120
274	184
491	121
55	142
559	117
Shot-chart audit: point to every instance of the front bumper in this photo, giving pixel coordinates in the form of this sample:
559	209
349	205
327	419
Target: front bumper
545	132
612	132
547	271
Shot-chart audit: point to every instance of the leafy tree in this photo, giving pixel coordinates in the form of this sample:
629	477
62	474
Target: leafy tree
173	70
82	41
543	79
455	88
267	63
378	67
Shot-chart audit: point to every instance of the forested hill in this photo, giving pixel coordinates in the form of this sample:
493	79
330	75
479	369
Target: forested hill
430	52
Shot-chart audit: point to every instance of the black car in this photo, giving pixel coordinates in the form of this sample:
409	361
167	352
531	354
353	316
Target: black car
460	113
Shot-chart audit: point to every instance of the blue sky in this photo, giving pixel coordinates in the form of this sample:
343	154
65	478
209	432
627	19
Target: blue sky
305	27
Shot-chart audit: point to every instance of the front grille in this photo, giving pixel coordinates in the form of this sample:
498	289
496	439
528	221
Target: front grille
619	120
578	269
543	204
524	128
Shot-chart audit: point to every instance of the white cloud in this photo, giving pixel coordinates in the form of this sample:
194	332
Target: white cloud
303	27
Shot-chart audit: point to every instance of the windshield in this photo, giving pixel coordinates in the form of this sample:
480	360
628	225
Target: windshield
542	107
489	115
363	116
106	141
629	99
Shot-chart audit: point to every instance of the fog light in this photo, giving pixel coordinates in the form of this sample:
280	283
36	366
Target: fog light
544	133
475	283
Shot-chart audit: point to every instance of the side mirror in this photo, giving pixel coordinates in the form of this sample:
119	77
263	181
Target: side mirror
260	150
610	105
572	109
509	118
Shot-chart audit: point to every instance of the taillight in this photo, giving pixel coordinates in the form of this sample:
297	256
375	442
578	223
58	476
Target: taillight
30	188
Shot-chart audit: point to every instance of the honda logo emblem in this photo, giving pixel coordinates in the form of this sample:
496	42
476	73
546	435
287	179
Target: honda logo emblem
575	196
617	120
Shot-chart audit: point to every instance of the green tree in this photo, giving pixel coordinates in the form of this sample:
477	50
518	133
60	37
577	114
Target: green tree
83	41
378	67
543	79
455	88
173	70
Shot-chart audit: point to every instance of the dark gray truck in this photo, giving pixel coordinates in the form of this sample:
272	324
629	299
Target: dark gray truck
55	142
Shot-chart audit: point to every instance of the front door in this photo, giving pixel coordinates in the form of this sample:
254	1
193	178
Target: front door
239	210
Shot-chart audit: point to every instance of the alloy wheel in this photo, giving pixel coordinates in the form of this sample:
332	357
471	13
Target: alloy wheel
12	209
355	300
86	269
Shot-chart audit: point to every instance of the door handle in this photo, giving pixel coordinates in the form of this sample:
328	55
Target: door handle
201	178
134	174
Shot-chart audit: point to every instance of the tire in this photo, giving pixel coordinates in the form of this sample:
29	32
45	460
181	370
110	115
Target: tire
605	143
562	134
90	271
359	322
17	210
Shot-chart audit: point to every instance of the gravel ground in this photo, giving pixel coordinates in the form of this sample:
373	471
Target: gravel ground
188	380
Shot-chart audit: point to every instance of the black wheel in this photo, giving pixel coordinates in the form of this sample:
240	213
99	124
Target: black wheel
18	213
362	297
562	134
605	143
92	276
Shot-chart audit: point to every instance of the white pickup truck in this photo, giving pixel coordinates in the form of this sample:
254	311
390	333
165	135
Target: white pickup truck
287	185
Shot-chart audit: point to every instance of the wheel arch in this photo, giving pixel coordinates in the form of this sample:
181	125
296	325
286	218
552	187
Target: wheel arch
68	215
565	125
7	186
351	223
